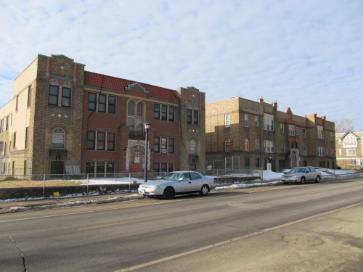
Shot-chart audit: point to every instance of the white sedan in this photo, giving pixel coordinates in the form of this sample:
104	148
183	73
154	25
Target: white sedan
179	182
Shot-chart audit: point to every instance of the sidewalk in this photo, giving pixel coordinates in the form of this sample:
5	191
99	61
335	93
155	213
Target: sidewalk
23	205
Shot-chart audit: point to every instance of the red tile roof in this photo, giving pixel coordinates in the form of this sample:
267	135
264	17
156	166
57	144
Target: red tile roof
119	84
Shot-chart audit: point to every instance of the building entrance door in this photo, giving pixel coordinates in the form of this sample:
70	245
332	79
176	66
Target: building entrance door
57	167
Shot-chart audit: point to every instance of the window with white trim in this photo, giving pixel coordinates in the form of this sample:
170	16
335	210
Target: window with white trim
227	120
268	121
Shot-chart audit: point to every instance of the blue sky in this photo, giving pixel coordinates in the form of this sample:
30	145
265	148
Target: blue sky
304	54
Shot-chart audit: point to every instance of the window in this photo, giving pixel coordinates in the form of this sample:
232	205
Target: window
350	141
269	146
16	102
131	114
90	168
26	137
111	104
14	140
227	145
245	120
91	140
268	122
140	111
100	140
25	167
111	141
163	167
257	121
101	103
195	176
351	152
100	169
164	112
29	101
257	144
247	145
171	145
292	131
321	151
171	113
1	147
282	128
189	116
227	120
196	117
66	97
192	147
170	167
247	162
58	138
157	144
156	167
92	100
304	132
164	145
257	163
320	132
110	167
157	111
283	148
53	95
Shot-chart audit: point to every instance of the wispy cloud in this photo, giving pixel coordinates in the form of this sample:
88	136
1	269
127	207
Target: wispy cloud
305	54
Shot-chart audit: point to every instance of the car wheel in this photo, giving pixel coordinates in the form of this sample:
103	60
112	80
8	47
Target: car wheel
169	193
204	191
318	179
302	180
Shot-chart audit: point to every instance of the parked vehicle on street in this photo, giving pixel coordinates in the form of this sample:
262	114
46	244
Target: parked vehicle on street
178	182
302	175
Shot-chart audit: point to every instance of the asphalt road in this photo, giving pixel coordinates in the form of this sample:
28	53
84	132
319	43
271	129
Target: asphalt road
142	233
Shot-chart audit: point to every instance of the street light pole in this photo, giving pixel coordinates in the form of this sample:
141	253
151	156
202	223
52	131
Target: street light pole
147	127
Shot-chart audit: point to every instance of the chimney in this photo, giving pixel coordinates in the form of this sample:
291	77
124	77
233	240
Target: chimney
274	104
261	99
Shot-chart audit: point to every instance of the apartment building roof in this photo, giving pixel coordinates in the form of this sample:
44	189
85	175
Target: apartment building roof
343	134
119	84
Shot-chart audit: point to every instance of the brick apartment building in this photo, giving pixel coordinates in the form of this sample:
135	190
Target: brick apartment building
244	134
349	147
63	119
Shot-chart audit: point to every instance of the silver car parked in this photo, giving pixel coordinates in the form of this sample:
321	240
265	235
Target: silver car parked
179	182
302	175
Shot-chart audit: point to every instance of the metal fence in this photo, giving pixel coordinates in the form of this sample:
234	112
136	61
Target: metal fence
48	185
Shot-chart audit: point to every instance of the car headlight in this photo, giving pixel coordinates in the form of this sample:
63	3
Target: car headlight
153	189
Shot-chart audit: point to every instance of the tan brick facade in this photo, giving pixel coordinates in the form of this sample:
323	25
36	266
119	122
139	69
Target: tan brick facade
349	149
241	134
78	121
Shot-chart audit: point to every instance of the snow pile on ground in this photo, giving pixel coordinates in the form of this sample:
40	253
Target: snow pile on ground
268	175
110	181
248	185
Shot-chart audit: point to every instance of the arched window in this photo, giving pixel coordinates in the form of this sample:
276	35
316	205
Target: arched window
131	108
247	145
131	114
58	137
192	147
227	145
140	111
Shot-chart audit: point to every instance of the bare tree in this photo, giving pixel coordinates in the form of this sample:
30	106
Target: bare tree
344	125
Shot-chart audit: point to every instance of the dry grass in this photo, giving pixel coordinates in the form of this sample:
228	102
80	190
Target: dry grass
7	184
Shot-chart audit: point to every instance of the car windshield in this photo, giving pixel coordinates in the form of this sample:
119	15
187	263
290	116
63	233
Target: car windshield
296	170
174	176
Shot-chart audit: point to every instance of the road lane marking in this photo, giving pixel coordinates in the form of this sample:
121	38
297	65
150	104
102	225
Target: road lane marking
89	211
238	238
